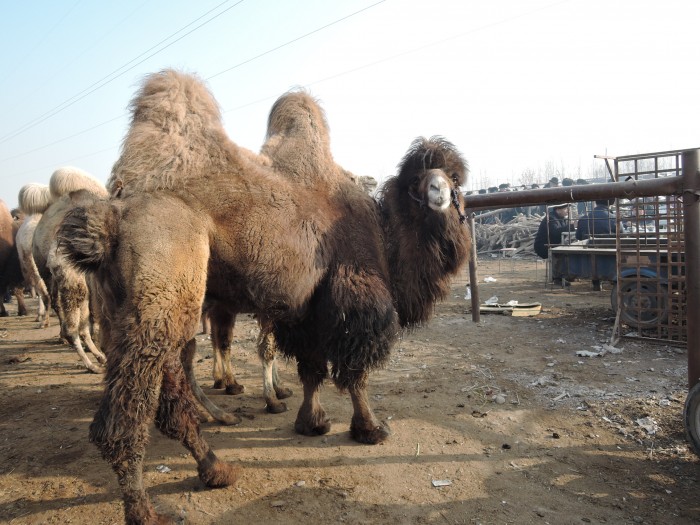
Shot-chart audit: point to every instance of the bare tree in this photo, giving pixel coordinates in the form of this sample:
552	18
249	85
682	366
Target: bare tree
527	177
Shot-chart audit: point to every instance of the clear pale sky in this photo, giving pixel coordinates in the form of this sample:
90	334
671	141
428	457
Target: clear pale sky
515	84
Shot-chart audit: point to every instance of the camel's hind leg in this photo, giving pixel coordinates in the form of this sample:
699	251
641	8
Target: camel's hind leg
222	322
120	427
177	418
273	390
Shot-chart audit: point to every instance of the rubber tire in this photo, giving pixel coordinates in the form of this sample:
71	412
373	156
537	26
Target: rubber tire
691	418
648	293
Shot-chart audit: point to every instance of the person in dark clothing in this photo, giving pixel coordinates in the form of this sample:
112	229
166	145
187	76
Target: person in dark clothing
551	228
598	222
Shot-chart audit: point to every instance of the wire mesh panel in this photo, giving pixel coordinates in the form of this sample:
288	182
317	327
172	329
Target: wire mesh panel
648	296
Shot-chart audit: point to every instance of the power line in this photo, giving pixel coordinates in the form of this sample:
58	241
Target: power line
325	79
295	40
209	78
116	73
45	36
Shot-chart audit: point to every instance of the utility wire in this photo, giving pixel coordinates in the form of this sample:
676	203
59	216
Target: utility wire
295	40
319	81
46	34
209	78
116	73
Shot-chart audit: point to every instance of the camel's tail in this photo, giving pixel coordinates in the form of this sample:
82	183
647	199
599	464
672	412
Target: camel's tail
88	234
175	134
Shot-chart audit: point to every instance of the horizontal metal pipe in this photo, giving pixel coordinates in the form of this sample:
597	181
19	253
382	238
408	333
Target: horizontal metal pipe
585	192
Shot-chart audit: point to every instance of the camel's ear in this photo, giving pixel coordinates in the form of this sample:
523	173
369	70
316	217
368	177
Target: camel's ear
116	189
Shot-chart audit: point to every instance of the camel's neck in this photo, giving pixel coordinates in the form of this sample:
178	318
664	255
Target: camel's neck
425	250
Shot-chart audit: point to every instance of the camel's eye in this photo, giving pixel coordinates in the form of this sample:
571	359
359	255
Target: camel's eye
455	178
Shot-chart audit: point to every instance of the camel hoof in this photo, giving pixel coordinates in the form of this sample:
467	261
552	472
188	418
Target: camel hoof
275	407
142	513
228	419
234	389
219	383
152	519
372	436
220	474
283	393
95	369
313	429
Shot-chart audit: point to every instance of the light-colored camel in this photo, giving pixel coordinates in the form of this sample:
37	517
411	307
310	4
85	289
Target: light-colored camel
68	288
335	272
34	199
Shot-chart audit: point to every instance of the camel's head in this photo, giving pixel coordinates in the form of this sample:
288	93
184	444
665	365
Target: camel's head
432	173
437	189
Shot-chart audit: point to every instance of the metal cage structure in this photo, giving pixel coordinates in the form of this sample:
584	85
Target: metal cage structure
656	248
649	292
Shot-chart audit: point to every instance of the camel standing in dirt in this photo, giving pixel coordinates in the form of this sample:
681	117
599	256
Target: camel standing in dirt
11	277
34	199
65	287
336	272
297	145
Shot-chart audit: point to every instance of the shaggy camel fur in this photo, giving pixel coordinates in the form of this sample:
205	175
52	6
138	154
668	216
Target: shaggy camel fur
68	288
10	272
298	146
34	199
336	273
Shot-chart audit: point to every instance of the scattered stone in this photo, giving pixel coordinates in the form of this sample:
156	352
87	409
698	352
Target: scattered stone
441	483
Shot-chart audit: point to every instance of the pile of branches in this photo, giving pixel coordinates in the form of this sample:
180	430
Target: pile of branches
518	233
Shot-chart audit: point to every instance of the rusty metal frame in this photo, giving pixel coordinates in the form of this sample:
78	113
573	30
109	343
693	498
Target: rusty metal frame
686	186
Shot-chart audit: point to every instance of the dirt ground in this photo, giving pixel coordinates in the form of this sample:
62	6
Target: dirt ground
493	423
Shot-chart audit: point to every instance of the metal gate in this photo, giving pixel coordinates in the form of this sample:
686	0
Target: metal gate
649	293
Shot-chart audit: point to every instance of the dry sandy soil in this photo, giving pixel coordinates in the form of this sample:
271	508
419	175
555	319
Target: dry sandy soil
503	416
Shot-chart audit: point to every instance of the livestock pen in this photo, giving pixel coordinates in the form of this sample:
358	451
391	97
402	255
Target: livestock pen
672	296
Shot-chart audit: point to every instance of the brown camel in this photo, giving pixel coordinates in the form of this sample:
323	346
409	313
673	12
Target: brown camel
298	146
11	277
336	272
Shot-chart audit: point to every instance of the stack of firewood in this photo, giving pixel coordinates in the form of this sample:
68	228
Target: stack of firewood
517	234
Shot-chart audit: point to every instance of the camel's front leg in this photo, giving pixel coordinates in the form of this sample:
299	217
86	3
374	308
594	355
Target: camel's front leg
311	418
365	427
216	412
